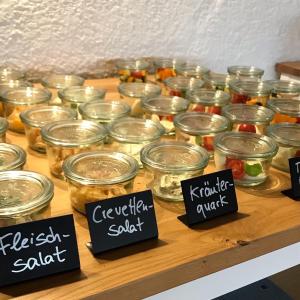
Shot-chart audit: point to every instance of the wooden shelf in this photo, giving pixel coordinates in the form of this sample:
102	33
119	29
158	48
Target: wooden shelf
266	221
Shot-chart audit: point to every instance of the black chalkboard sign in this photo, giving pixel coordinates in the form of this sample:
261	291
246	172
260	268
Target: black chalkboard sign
37	249
295	175
121	221
209	196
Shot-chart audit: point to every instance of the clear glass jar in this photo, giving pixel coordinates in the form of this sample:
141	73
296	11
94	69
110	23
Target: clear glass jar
245	72
200	128
3	129
166	67
287	136
132	93
12	157
180	86
104	112
284	88
249	118
192	70
8	73
34	119
203	100
24	197
217	81
66	138
163	109
248	154
75	95
166	164
99	175
249	92
286	110
55	82
19	99
133	70
130	135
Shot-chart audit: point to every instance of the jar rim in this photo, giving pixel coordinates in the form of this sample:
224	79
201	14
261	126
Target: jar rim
25	115
283	86
245	70
19	154
201	153
285	138
132	64
69	163
78	94
99	133
285	106
217	78
41	95
8	73
183	83
3	125
212	118
58	81
248	114
139	89
167	62
208	97
14	83
250	88
192	69
165	105
40	200
270	152
138	137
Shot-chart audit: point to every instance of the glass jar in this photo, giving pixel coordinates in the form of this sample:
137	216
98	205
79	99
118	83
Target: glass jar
75	95
207	101
245	72
130	135
132	93
55	82
180	86
286	110
133	70
3	128
217	81
249	92
287	136
163	109
8	73
192	70
104	112
66	138
24	197
12	157
200	128
19	99
166	67
284	88
168	163
99	175
248	154
34	119
249	118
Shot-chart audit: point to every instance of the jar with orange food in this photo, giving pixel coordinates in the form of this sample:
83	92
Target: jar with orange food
133	70
249	92
286	110
166	67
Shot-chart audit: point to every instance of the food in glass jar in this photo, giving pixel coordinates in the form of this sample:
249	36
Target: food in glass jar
192	70
217	81
248	73
166	67
284	89
133	70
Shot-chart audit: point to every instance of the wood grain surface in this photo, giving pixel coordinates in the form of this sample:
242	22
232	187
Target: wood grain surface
266	221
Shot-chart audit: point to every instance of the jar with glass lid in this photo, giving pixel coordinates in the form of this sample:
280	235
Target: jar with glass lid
163	109
166	164
166	67
34	119
203	100
286	110
249	92
130	135
217	81
248	118
19	99
133	70
12	157
287	136
284	88
25	197
98	175
132	93
66	138
192	70
3	129
245	72
200	128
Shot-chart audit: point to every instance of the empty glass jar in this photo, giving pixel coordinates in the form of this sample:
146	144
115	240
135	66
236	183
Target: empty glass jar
34	119
66	138
284	88
12	157
99	175
133	70
168	163
245	72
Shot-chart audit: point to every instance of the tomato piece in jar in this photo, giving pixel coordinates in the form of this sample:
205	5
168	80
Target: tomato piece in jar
208	143
247	128
175	93
164	73
237	98
214	110
198	108
167	118
137	74
237	167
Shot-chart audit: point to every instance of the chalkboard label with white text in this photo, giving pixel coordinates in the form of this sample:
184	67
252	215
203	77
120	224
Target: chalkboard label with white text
295	175
37	249
209	196
121	221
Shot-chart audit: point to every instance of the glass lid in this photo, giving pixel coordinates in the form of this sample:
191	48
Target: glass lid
183	83
11	157
208	97
283	86
139	89
250	88
165	62
81	94
290	107
245	71
285	133
60	81
132	64
217	78
192	69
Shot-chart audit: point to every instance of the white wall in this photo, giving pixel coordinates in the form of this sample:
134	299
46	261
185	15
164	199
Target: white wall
74	34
